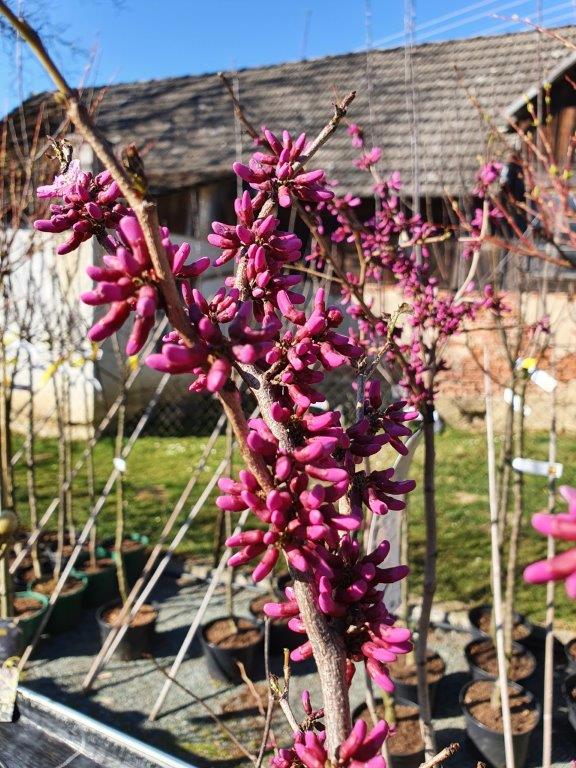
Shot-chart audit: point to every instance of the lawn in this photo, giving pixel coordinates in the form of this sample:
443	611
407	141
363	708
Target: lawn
159	467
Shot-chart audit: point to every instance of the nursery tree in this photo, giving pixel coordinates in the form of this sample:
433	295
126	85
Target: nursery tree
305	477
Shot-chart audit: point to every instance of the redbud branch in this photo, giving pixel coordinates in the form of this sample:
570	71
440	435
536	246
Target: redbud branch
238	108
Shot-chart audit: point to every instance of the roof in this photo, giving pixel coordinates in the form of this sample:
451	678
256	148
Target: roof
189	122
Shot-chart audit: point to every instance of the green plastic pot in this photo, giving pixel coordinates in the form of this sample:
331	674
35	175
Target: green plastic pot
134	559
29	624
101	586
67	610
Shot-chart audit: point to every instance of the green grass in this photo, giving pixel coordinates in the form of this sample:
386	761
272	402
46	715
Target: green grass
158	470
159	467
463	521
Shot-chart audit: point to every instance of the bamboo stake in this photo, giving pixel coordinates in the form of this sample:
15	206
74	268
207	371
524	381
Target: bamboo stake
35	533
92	519
228	522
103	655
196	623
496	570
31	470
548	696
121	630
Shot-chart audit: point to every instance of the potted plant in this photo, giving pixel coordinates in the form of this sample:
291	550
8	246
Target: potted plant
480	618
140	635
228	640
483	662
405	678
484	724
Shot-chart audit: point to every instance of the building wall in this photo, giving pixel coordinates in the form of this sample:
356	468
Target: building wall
461	389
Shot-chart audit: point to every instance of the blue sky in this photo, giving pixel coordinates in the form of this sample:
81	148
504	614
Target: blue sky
122	40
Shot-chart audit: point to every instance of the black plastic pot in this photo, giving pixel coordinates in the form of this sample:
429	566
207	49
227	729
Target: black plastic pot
10	640
477	673
221	662
570	658
413	760
134	558
29	624
281	636
567	686
67	610
409	691
475	614
137	640
491	743
101	586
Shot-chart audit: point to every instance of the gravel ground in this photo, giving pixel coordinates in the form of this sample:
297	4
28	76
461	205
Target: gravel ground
125	692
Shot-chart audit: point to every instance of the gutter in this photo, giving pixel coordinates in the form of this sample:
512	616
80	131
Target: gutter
110	747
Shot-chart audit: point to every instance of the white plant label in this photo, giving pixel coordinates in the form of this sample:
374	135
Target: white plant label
119	464
543	380
540	468
508	399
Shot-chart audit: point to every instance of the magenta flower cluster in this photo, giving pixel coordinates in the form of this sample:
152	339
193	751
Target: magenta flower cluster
562	567
361	749
89	206
279	175
127	280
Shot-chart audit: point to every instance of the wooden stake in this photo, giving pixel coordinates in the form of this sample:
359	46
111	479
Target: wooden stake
496	569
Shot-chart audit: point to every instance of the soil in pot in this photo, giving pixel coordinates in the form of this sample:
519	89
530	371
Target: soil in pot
484	723
481	618
29	608
102	586
228	640
405	676
481	654
281	636
68	607
405	747
139	637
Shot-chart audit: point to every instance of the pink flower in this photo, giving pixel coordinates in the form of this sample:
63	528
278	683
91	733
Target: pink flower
368	159
279	174
89	207
562	567
362	749
128	282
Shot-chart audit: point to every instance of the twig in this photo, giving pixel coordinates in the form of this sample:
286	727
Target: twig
202	703
270	706
444	754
